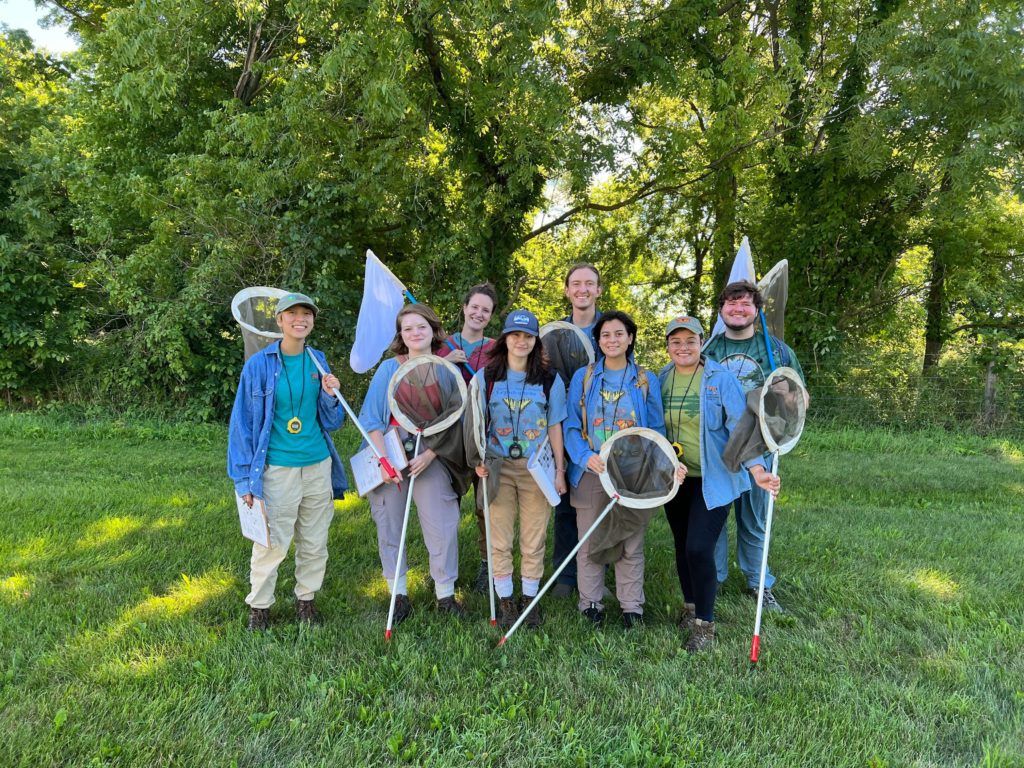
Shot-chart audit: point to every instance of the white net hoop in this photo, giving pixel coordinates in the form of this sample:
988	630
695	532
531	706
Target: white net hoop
479	409
400	375
648	447
782	410
566	359
242	306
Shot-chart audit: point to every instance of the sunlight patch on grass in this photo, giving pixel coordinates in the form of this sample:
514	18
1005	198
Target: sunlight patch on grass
935	583
108	530
16	588
179	500
184	597
137	665
377	588
164	523
350	504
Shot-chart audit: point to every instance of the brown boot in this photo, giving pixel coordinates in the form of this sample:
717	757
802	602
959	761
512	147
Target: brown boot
686	620
259	619
533	618
306	612
508	612
702	637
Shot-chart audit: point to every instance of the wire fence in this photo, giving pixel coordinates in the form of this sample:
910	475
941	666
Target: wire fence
993	405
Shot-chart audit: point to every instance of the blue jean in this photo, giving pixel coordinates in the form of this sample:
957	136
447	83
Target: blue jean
751	508
566	537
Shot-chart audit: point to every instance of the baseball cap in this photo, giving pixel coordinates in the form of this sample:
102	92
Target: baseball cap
290	300
684	321
522	320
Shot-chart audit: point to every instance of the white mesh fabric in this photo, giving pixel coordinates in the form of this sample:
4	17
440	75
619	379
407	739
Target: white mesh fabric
641	468
426	394
782	410
253	310
568	348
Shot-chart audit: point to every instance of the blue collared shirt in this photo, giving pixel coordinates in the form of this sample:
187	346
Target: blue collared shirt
252	419
721	405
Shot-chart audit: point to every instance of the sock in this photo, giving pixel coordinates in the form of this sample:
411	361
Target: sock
403	587
530	587
503	585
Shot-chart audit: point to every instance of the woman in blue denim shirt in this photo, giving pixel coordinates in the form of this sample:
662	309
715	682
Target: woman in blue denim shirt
279	451
703	403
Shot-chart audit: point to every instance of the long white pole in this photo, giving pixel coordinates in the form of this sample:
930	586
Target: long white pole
755	642
490	562
558	570
401	545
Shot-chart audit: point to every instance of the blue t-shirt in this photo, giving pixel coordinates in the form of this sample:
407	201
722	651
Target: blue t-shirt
520	413
296	395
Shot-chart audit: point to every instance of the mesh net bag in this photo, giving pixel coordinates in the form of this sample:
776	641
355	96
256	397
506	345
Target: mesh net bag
775	291
567	347
782	410
253	310
641	468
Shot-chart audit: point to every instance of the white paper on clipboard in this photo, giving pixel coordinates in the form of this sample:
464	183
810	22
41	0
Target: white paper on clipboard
542	467
253	520
366	468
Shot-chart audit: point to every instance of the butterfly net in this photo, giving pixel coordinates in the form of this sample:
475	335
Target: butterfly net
775	291
474	423
253	310
567	347
641	468
782	410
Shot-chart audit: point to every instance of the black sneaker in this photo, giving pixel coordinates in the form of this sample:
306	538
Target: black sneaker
533	618
451	606
480	584
769	603
508	612
594	615
631	620
306	613
403	609
259	620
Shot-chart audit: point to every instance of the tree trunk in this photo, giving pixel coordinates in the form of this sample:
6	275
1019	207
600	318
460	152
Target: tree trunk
988	409
935	311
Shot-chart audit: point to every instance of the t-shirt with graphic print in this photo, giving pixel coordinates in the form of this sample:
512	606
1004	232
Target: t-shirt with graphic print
521	414
680	397
747	359
615	412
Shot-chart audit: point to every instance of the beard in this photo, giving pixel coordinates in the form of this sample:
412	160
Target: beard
739	327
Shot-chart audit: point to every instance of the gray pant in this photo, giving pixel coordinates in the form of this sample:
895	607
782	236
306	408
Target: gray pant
589	499
437	507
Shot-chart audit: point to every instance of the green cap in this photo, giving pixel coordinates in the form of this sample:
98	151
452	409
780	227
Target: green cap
290	300
684	321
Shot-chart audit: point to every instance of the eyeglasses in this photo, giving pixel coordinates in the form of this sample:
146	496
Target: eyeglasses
692	344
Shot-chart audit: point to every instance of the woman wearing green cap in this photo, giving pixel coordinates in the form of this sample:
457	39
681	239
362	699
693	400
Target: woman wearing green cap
703	403
279	451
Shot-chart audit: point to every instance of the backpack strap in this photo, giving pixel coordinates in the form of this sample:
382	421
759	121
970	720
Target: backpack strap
583	403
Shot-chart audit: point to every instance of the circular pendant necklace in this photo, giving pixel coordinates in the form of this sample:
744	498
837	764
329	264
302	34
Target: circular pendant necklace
677	422
515	450
295	423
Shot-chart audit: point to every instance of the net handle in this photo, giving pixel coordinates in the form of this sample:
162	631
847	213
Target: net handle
396	378
663	443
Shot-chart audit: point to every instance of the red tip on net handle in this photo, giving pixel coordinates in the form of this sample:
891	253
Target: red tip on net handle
387	634
755	648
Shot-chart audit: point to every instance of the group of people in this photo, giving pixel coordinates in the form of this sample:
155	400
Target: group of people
279	451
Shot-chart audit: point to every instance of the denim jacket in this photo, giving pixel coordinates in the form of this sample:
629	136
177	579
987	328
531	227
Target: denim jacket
253	416
722	403
649	413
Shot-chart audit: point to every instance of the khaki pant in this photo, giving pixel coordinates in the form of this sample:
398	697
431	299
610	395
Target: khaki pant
300	505
518	491
589	499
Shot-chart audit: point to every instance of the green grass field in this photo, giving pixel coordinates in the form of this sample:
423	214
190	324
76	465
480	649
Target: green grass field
122	577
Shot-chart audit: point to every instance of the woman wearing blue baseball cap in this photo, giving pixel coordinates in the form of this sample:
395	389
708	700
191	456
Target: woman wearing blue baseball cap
526	403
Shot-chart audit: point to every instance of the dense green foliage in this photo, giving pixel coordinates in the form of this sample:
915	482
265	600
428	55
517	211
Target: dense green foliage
187	150
122	640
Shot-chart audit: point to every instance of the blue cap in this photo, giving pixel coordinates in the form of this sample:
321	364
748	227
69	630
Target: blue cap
522	320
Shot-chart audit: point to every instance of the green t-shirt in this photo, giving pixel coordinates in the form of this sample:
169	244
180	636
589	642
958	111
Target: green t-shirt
680	397
298	388
747	359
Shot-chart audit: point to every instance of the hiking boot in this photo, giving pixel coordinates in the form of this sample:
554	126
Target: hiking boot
533	618
769	603
306	612
562	589
481	583
632	620
508	612
594	615
259	619
702	637
451	606
403	610
686	620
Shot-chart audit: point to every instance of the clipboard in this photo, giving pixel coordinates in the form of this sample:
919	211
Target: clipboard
253	520
366	468
542	467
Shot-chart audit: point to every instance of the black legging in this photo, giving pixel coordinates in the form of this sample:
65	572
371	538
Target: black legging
695	529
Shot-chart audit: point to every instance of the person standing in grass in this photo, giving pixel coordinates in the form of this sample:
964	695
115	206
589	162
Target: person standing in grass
279	450
469	349
582	289
743	351
604	398
703	403
525	403
418	332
